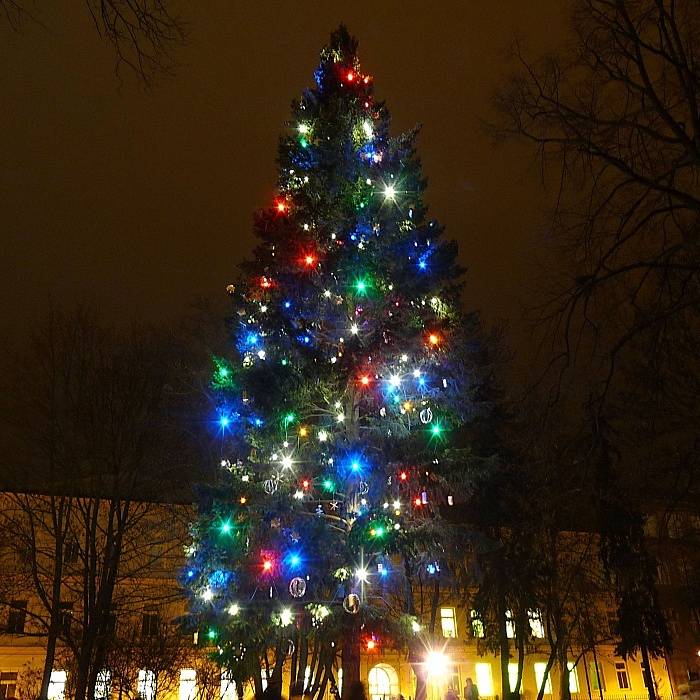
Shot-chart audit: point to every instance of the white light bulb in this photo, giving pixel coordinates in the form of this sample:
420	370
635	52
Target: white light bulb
261	354
362	575
354	329
327	294
397	504
395	380
415	626
389	192
207	594
340	418
299	495
286	617
367	128
337	405
416	373
322	436
404	358
287	462
234	609
303	128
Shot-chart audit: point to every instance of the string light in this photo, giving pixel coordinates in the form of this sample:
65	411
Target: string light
234	609
389	192
354	329
322	436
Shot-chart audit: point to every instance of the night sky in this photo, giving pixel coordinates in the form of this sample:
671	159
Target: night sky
141	201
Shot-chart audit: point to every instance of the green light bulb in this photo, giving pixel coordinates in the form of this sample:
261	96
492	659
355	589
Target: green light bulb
328	485
211	634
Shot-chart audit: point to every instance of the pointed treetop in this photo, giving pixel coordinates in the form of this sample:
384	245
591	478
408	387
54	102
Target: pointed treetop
340	65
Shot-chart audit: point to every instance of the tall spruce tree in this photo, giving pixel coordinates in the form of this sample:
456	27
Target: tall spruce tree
339	407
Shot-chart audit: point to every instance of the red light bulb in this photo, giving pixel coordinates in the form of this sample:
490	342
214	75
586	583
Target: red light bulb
309	260
267	565
364	380
350	76
371	644
417	501
403	476
281	206
305	483
434	339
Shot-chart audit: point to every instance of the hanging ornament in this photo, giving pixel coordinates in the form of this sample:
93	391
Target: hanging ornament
351	604
290	647
270	486
363	488
426	415
424	497
297	587
382	411
319	510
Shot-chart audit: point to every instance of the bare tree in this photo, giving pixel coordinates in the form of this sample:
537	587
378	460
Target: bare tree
142	33
616	122
89	421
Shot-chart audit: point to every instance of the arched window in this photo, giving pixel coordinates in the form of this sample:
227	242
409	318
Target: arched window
383	682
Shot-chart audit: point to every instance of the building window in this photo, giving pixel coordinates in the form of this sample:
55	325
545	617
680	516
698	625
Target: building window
150	624
448	622
103	685
57	685
228	686
383	682
70	550
146	686
477	625
623	680
17	617
536	626
597	679
66	613
188	684
512	676
540	670
510	625
484	679
453	678
8	684
573	677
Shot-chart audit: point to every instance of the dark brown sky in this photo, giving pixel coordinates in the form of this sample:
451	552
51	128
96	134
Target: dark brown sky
141	201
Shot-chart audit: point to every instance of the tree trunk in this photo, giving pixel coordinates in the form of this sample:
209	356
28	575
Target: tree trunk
564	690
646	671
351	659
504	649
48	662
547	669
417	664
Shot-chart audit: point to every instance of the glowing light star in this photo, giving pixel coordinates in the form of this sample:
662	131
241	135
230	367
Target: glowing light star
303	431
340	418
294	560
287	462
226	527
403	476
389	192
354	329
243	500
303	128
367	128
309	260
417	502
322	436
299	495
286	617
422	265
434	339
261	354
267	565
395	380
378	531
364	380
327	293
350	76
397	504
281	206
415	626
234	609
224	422
416	373
355	466
437	664
328	485
305	484
404	358
207	594
289	418
436	430
361	574
371	645
211	634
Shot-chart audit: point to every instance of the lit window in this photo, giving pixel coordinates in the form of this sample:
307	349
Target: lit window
146	686
383	682
510	625
484	679
340	681
540	669
17	617
57	685
8	684
623	680
536	626
597	679
477	625
573	677
103	685
228	686
512	676
448	622
188	684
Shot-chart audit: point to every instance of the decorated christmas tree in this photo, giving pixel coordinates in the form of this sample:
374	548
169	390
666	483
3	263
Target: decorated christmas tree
348	381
